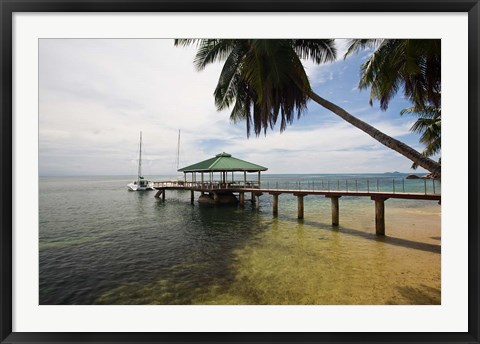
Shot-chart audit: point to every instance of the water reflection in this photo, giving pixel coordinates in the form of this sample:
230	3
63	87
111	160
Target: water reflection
110	246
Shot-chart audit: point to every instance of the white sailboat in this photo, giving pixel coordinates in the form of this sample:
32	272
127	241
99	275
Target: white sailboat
179	178
140	184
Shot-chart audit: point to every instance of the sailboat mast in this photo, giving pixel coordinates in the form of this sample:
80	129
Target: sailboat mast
178	150
140	158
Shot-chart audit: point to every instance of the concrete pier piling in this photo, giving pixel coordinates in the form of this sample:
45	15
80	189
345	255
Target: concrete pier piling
379	216
335	210
275	204
300	206
241	197
159	193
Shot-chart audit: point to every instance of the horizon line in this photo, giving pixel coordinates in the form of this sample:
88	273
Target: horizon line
164	175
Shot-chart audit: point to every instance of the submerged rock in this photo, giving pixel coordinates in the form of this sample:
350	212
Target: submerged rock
430	176
426	176
206	198
222	198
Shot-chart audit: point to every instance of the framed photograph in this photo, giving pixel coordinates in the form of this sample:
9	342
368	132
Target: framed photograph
262	171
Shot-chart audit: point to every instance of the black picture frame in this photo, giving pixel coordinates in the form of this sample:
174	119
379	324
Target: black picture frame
8	7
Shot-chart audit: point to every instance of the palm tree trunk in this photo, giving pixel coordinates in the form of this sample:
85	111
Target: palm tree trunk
390	142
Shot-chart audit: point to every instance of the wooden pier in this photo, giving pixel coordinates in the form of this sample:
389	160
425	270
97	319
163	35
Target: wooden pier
256	190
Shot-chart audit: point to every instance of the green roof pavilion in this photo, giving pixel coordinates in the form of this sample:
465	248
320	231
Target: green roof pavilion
222	163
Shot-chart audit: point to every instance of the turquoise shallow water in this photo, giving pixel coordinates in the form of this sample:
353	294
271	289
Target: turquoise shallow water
100	244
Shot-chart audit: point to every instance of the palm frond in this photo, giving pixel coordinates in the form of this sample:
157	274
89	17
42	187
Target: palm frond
357	45
185	42
317	50
213	50
426	112
396	64
429	126
228	82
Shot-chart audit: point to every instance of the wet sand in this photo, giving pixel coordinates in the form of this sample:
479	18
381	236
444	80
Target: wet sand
311	262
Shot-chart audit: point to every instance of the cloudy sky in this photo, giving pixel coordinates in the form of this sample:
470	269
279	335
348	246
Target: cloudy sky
96	95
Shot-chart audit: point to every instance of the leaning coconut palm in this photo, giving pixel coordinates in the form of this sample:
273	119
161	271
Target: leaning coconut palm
265	79
413	65
429	125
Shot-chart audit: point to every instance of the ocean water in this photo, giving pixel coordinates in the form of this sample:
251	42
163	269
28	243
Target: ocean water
101	244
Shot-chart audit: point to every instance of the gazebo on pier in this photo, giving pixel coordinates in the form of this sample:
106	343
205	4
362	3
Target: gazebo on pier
225	165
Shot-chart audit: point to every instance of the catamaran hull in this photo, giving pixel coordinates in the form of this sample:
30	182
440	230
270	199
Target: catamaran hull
135	187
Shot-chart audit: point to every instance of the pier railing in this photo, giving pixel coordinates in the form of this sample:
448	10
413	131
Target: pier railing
364	185
214	185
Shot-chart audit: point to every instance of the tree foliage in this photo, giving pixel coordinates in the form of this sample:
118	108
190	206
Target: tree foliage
262	80
409	65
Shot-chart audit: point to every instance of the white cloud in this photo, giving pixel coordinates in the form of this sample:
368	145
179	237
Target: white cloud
101	93
338	147
96	96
